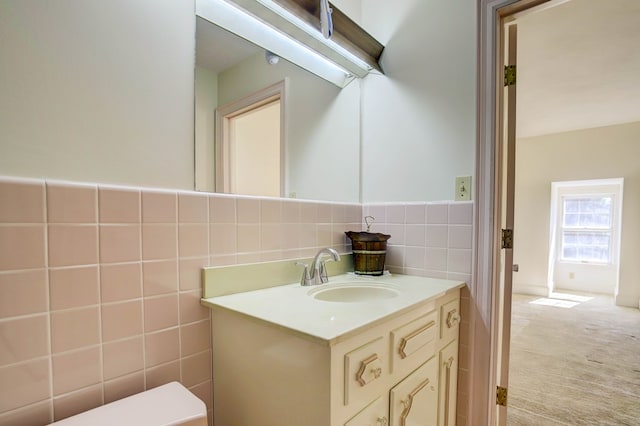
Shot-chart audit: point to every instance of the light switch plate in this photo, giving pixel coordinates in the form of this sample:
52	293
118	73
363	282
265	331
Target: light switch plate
463	188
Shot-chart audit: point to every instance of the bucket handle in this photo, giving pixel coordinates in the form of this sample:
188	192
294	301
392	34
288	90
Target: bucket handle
366	221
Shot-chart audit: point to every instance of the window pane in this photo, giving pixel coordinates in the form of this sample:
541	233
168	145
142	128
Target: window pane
602	220
569	253
586	205
593	212
571	220
586	239
586	220
571	205
586	246
604	205
586	234
570	238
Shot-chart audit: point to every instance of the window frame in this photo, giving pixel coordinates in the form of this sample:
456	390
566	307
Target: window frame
584	189
564	228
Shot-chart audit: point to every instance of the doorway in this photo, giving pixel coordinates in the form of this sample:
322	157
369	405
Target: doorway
574	148
488	210
250	143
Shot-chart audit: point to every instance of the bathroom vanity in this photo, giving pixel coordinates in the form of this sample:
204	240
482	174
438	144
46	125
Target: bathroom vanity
355	351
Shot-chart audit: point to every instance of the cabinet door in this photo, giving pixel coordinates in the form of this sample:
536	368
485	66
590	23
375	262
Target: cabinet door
375	414
449	320
414	401
448	384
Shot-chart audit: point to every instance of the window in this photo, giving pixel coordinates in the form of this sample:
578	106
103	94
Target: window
587	227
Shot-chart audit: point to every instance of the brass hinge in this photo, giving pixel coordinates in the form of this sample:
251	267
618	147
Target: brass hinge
501	396
509	75
507	238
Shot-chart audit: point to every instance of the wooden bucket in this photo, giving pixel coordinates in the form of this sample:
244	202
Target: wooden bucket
369	252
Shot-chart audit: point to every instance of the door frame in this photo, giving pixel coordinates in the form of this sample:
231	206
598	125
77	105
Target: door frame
485	289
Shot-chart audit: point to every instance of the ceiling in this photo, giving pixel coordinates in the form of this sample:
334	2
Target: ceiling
218	49
578	66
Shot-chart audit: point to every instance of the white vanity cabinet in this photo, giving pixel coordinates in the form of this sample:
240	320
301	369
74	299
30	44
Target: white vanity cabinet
448	357
390	372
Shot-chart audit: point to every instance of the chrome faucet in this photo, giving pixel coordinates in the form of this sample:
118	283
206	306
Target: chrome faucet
318	274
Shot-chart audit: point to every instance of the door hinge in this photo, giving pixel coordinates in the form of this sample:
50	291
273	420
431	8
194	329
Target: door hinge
509	75
501	396
507	238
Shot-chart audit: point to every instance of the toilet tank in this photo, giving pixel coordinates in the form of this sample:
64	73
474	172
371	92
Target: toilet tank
170	404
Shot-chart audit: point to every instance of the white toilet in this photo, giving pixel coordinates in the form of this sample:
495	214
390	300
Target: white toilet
170	404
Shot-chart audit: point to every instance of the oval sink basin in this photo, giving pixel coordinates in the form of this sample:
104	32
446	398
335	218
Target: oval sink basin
353	293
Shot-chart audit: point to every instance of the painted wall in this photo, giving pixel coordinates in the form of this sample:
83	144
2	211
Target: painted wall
604	152
98	91
206	101
419	119
351	8
322	126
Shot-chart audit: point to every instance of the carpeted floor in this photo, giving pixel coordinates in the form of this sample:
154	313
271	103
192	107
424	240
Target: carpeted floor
576	365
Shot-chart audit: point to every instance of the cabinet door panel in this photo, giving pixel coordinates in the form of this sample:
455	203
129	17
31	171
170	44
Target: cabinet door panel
448	384
414	401
375	414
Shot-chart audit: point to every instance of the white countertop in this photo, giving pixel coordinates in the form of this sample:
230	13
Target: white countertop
290	306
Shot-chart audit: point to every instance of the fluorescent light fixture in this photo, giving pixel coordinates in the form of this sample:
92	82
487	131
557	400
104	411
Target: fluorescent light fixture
364	68
245	25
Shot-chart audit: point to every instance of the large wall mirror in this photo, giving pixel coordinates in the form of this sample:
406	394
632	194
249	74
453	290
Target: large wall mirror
319	122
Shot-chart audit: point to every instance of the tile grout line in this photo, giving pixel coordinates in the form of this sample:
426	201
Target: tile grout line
48	285
100	334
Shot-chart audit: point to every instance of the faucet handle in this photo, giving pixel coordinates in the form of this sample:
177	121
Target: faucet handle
322	271
306	276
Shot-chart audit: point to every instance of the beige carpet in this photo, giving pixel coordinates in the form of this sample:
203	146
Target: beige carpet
575	365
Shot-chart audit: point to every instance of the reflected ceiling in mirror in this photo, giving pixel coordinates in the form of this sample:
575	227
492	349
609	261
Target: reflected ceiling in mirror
321	121
218	49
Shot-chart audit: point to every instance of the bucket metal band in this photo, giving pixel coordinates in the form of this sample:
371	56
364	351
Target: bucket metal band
369	251
369	272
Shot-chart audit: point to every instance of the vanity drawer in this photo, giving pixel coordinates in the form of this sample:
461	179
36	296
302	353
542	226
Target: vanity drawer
365	369
414	342
374	414
449	320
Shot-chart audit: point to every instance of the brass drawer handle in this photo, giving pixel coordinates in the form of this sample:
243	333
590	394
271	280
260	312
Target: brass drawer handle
416	337
407	403
453	318
368	365
447	389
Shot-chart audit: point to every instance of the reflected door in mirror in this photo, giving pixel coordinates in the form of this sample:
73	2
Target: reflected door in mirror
254	152
249	144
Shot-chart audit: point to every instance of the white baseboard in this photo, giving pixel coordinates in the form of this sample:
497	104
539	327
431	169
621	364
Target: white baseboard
534	290
629	302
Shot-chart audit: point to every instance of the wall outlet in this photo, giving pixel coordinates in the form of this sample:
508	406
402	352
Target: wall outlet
463	188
